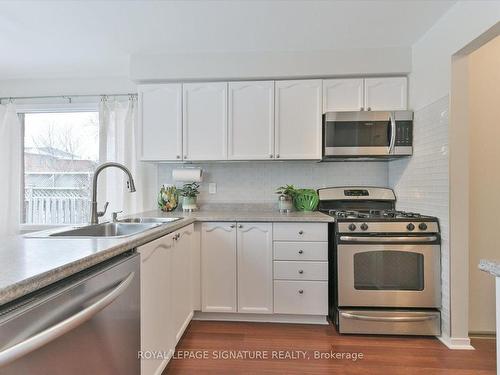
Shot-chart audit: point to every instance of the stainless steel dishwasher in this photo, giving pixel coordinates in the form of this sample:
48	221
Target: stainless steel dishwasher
86	324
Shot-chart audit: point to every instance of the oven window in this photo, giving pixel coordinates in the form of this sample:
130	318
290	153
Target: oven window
388	270
357	134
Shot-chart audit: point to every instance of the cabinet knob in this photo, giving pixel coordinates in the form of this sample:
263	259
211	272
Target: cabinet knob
301	251
361	109
240	226
301	271
178	156
301	291
271	156
231	226
369	108
185	156
301	232
277	156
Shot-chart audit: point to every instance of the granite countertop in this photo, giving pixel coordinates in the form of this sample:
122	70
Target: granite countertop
491	266
31	263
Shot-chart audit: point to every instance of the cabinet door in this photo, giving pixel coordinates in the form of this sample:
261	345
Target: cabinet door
342	94
182	280
160	122
205	121
218	267
251	120
156	302
298	119
386	94
255	267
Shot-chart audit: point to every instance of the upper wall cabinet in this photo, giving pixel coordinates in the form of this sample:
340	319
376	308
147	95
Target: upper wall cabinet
389	93
160	122
251	120
205	121
343	94
298	119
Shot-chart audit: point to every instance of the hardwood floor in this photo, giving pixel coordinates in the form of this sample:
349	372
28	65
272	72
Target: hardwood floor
386	355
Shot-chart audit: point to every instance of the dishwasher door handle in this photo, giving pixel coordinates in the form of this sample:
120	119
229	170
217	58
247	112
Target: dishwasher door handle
40	339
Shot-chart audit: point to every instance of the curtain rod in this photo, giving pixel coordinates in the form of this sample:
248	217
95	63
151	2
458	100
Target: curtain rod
67	97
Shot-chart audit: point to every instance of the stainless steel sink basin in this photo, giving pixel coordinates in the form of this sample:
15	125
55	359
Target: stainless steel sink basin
107	230
160	220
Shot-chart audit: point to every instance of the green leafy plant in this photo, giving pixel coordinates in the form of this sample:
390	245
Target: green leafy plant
189	190
288	190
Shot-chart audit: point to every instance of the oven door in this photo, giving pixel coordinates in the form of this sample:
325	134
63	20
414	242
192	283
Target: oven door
359	134
389	275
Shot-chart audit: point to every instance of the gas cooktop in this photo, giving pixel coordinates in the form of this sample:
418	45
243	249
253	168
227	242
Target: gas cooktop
381	215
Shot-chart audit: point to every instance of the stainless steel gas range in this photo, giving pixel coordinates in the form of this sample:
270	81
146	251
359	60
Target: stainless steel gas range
385	267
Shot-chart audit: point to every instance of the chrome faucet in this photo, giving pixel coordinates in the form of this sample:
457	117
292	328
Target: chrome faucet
95	215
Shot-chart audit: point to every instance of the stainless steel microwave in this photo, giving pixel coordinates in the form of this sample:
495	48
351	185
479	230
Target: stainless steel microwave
367	134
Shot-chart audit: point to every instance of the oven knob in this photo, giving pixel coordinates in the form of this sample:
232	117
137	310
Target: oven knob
364	226
422	226
352	227
410	226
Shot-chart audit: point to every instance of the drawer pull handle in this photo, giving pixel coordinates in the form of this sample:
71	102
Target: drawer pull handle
301	291
301	232
301	251
301	271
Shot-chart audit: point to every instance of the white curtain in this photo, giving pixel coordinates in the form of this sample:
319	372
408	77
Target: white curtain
119	142
10	171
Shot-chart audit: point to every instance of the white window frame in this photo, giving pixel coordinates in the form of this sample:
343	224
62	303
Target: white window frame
22	109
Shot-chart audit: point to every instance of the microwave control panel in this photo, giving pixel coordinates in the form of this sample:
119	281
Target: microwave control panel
404	133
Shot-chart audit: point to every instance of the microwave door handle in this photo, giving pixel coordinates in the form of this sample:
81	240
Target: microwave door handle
392	141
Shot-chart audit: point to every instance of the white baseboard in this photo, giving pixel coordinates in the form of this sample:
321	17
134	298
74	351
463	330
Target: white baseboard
262	318
456	343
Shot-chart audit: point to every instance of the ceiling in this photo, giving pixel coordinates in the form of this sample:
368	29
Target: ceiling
75	39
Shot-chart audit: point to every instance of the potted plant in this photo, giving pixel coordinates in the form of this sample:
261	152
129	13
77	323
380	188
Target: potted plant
189	192
287	194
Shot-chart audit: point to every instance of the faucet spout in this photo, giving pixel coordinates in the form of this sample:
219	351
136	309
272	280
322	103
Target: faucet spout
94	216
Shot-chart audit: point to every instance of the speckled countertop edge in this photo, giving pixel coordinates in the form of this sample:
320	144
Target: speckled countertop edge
104	249
490	266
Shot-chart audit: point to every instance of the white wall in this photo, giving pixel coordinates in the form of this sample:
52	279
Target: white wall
269	64
484	185
256	182
417	182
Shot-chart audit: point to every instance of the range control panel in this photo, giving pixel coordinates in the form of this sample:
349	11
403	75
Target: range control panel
388	227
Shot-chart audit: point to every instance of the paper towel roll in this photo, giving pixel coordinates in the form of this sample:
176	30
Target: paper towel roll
187	174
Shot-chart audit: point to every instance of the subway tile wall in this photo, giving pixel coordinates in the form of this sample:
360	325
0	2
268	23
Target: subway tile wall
421	182
256	182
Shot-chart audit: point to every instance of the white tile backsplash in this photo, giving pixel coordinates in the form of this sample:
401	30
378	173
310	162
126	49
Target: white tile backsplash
421	182
244	182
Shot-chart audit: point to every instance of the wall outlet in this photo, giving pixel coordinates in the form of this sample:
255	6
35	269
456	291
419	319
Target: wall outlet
212	188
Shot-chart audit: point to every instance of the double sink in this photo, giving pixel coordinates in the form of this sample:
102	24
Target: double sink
120	228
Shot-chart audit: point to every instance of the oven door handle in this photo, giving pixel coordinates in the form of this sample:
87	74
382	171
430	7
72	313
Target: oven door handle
392	141
400	319
386	239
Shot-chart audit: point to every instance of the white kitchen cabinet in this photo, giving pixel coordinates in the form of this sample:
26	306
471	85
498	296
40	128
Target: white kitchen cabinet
160	122
255	272
182	280
343	94
298	109
156	302
301	297
204	118
387	93
251	120
218	267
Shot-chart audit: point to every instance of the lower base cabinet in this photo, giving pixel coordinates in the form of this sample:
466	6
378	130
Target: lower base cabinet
301	297
166	299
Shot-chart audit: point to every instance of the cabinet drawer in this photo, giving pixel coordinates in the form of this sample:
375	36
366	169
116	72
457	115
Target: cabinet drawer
284	270
301	251
300	232
301	297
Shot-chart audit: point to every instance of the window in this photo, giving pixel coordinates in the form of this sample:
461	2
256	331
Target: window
61	150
